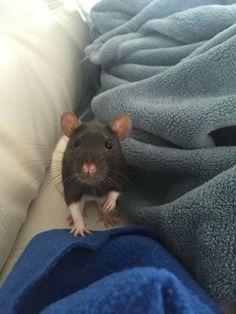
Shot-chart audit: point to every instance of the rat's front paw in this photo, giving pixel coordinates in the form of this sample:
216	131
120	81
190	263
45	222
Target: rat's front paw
79	229
108	206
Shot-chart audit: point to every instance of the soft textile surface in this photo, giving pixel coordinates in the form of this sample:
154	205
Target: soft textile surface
129	292
38	83
59	273
171	65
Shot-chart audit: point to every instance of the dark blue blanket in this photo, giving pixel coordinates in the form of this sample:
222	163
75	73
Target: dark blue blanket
123	270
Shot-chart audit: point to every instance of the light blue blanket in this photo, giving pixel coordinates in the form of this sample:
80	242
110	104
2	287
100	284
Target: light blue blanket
171	65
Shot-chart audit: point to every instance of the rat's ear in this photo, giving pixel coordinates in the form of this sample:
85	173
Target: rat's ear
69	122
122	127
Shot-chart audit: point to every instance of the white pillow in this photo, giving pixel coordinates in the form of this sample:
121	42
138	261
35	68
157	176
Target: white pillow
41	46
86	6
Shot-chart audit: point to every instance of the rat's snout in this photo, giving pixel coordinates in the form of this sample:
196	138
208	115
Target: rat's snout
89	169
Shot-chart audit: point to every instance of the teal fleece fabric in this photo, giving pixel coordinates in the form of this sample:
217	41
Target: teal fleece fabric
171	66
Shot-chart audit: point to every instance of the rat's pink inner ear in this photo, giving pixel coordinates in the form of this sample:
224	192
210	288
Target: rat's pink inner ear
69	122
122	127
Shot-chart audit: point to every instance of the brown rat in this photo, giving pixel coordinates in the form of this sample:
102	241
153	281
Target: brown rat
93	165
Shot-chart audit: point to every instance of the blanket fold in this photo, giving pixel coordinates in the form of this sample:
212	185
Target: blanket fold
140	290
171	66
101	273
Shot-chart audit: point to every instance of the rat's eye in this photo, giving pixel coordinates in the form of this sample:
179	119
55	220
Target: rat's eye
76	143
108	144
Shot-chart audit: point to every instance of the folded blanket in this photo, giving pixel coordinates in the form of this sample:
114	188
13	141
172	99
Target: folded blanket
171	65
140	290
104	272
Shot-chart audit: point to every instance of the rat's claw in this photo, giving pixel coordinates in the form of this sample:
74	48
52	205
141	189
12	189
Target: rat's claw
79	230
87	231
72	230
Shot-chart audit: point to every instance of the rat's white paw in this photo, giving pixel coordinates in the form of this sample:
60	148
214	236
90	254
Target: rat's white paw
71	221
79	229
109	205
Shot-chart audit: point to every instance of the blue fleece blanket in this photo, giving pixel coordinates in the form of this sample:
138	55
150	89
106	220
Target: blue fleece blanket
171	65
120	271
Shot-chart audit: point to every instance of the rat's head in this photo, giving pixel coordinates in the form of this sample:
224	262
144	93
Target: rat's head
93	150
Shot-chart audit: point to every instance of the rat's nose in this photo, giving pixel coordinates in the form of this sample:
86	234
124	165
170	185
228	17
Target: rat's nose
89	169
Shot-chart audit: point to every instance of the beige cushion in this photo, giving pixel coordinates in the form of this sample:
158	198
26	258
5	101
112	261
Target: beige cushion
48	211
41	76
